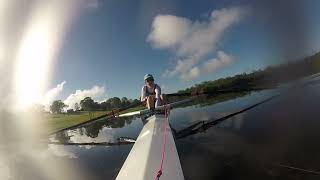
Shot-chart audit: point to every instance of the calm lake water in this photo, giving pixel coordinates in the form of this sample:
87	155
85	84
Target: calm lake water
256	144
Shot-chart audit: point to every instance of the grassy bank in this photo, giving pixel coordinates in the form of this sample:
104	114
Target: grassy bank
60	121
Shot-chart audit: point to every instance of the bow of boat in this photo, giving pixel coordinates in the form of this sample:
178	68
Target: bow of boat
148	152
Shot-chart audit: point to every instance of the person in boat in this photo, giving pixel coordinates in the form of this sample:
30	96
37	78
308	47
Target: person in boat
151	93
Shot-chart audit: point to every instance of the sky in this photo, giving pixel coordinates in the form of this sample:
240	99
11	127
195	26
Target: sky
110	45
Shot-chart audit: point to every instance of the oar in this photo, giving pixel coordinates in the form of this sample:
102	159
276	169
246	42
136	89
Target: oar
162	107
204	125
90	143
108	115
214	92
121	141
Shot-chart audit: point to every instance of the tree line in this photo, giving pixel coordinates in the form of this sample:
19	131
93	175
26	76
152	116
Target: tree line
269	77
88	104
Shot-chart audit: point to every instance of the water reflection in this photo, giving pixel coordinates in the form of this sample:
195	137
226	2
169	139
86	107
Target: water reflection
104	130
234	123
279	132
61	151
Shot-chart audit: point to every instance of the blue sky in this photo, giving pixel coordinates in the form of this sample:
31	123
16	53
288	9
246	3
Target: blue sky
107	45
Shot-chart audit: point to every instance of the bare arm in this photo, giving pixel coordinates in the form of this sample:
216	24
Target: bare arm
143	94
158	96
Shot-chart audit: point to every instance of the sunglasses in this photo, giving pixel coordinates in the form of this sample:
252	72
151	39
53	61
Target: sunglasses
149	80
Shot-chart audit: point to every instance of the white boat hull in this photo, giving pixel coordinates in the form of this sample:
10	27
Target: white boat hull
144	159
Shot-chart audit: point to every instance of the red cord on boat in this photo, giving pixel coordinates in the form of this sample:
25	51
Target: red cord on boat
159	172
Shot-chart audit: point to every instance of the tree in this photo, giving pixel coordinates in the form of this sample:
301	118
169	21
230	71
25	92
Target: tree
105	105
87	104
125	102
114	102
57	106
76	107
70	111
135	101
96	106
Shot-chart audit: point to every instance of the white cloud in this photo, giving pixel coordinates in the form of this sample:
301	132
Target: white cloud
96	93
192	41
209	66
193	73
61	151
168	31
51	95
221	60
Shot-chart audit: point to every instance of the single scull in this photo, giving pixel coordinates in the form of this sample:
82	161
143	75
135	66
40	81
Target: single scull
154	151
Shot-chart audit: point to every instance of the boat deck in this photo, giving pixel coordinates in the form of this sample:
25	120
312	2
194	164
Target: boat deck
144	159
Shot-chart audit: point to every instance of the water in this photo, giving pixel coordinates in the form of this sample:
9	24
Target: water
256	144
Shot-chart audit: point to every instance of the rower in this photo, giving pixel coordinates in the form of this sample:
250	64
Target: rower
151	93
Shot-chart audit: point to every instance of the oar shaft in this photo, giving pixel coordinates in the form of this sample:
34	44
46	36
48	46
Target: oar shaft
108	115
214	92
